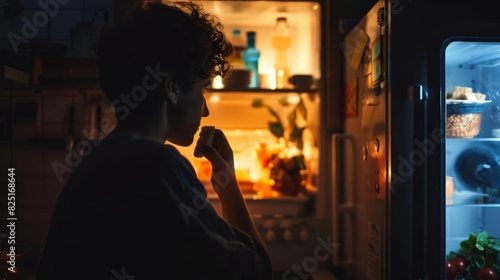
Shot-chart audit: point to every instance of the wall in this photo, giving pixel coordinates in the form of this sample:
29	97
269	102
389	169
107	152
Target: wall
38	151
35	23
36	139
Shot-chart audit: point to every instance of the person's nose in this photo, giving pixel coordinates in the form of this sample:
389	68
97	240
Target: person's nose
206	112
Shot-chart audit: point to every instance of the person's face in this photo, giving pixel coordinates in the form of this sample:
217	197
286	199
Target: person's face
184	117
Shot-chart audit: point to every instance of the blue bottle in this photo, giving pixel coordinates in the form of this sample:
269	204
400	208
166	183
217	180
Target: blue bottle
251	58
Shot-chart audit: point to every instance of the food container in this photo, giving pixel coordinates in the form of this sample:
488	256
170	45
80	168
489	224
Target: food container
449	190
463	118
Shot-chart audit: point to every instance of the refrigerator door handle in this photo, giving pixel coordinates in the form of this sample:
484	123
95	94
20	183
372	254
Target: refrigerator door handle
342	203
418	97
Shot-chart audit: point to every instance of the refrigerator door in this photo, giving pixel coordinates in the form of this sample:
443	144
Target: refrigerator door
360	155
419	34
409	125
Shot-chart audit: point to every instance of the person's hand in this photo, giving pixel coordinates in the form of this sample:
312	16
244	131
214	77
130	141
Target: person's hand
220	155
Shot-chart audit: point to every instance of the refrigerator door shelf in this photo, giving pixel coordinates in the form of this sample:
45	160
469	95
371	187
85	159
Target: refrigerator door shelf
343	199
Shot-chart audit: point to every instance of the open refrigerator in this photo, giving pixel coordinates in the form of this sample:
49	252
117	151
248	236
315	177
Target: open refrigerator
472	188
416	169
291	223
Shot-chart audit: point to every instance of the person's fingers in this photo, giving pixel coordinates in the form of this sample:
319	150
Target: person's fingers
221	170
213	156
221	144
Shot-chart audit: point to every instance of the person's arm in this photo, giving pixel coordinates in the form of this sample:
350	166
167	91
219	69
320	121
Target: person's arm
234	207
235	210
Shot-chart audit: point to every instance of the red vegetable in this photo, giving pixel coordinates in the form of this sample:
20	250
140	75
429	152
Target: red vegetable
450	270
486	273
460	265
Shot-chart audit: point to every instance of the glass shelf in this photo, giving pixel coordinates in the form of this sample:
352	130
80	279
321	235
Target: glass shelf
493	139
261	90
470	205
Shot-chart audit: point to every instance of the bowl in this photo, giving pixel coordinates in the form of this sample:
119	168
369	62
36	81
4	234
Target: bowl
463	118
237	79
301	82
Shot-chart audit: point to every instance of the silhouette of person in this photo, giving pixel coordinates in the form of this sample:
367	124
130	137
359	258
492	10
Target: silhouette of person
134	208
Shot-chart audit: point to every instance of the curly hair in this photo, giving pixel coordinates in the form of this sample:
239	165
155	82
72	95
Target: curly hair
178	37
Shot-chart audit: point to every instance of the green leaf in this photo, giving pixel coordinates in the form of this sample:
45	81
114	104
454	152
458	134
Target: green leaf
482	238
301	108
493	240
296	136
451	256
466	246
284	101
272	112
495	248
257	103
472	238
479	247
276	129
478	261
469	268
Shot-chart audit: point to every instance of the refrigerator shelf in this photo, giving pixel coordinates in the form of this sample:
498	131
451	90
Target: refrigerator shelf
261	90
497	205
492	139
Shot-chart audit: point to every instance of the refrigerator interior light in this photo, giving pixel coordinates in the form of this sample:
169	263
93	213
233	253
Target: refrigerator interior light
217	82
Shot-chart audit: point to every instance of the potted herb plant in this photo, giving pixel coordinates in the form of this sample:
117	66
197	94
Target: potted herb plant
287	168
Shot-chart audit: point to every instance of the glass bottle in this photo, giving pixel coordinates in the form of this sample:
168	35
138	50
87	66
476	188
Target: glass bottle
281	44
239	46
251	58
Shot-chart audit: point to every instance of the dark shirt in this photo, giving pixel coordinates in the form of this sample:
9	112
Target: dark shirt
134	209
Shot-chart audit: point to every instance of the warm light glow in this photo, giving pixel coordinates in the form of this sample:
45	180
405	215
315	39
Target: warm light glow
293	99
316	7
270	76
217	82
214	98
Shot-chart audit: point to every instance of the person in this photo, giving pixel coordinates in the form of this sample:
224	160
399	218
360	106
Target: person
134	208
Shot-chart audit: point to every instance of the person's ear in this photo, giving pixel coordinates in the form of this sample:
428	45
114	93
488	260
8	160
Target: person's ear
171	89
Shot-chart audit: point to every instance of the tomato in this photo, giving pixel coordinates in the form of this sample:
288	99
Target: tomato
460	265
486	273
450	270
